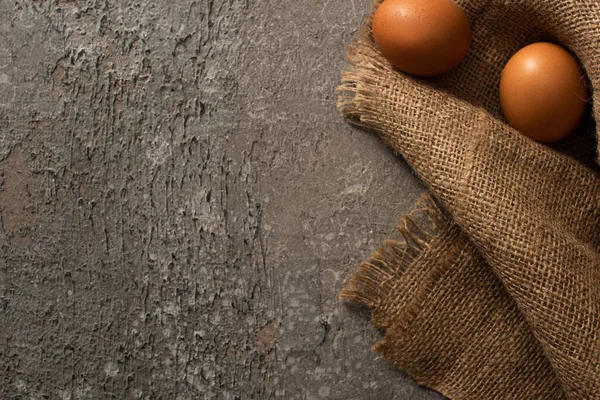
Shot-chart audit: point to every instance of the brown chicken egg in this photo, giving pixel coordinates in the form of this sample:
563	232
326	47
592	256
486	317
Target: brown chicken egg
542	92
422	37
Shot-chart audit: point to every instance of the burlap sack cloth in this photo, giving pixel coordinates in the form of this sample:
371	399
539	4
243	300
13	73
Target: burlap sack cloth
497	296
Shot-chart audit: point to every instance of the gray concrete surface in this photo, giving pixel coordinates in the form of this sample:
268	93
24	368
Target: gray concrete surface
181	202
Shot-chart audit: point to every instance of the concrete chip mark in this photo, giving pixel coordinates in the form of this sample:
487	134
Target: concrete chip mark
265	338
60	71
21	198
231	351
7	91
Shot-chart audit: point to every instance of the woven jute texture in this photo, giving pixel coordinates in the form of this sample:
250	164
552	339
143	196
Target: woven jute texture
494	293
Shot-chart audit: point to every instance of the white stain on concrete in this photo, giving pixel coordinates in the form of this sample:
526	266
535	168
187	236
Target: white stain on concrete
111	369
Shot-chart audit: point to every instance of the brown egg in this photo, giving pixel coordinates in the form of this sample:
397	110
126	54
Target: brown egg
543	92
422	37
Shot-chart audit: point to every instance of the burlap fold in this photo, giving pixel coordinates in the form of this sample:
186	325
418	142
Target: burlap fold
500	297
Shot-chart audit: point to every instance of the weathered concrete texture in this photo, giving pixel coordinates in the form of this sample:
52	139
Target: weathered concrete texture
181	203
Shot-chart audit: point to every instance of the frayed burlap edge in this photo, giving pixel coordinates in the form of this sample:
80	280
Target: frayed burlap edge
352	88
375	277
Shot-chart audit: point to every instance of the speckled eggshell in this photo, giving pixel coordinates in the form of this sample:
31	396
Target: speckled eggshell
422	37
542	92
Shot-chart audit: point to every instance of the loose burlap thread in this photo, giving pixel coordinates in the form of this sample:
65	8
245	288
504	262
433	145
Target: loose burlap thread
494	293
